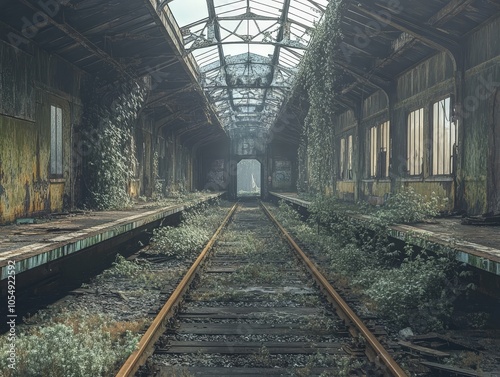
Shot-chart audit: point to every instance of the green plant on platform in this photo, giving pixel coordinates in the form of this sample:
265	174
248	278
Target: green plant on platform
407	207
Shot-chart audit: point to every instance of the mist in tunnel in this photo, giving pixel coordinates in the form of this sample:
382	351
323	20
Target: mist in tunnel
248	178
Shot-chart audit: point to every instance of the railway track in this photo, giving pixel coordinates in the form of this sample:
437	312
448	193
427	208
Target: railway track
249	307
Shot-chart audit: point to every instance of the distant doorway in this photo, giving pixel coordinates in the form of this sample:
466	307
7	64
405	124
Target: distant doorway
248	178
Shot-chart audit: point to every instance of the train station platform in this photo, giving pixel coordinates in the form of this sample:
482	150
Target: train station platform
46	240
478	246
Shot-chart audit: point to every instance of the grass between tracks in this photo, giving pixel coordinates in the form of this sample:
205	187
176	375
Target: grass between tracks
195	230
408	287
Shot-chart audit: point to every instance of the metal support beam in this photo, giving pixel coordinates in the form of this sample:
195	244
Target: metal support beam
290	44
428	35
163	121
82	40
450	10
368	78
164	99
347	104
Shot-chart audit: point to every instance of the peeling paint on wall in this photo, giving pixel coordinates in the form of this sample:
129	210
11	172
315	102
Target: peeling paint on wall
27	92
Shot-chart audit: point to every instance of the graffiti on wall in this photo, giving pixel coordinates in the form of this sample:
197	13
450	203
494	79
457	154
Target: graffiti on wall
282	175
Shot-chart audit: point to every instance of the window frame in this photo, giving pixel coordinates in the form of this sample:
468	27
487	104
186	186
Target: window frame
379	138
415	132
56	161
346	148
435	165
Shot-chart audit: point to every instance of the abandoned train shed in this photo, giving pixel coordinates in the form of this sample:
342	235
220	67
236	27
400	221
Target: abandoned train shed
414	101
123	122
103	102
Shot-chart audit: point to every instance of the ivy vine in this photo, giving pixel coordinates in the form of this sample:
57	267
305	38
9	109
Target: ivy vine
318	75
109	125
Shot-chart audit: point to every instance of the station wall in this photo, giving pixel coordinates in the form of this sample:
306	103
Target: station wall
45	138
467	171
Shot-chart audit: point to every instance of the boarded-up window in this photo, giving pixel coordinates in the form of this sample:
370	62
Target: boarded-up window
379	150
415	142
345	158
443	138
56	142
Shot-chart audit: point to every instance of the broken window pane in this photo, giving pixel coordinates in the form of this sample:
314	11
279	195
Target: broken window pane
415	146
345	158
443	138
379	151
56	142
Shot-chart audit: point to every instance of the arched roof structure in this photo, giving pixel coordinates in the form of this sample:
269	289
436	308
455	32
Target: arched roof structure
248	52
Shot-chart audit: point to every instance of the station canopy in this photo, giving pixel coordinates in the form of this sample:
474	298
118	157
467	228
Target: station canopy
248	52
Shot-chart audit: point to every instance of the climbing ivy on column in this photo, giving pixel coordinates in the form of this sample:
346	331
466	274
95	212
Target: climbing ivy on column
108	166
317	77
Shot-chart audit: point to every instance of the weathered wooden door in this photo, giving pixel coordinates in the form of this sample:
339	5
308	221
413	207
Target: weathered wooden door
494	163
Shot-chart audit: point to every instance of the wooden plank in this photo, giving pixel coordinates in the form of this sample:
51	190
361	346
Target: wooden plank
236	289
423	350
220	270
246	313
457	370
246	328
449	343
168	371
249	348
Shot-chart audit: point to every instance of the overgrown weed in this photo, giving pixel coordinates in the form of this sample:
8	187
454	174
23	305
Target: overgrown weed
78	344
409	286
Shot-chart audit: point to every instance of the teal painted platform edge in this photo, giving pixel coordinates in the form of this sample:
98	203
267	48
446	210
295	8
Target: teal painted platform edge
478	258
36	255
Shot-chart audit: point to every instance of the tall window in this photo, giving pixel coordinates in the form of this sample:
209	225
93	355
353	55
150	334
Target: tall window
56	145
379	150
443	138
345	159
342	158
415	142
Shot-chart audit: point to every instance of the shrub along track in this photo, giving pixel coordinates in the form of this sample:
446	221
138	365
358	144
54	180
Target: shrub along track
254	311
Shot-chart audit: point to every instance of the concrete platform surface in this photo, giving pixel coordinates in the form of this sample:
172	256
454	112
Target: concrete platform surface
478	246
31	245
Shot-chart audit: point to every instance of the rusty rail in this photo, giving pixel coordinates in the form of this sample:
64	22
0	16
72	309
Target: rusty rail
146	344
393	368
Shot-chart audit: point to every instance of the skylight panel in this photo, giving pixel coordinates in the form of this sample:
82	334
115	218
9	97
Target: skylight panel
244	69
235	49
229	4
184	15
264	50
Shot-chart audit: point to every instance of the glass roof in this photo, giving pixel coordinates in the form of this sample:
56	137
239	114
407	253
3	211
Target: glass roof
247	51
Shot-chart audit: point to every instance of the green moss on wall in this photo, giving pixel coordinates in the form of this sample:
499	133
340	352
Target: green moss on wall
24	192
